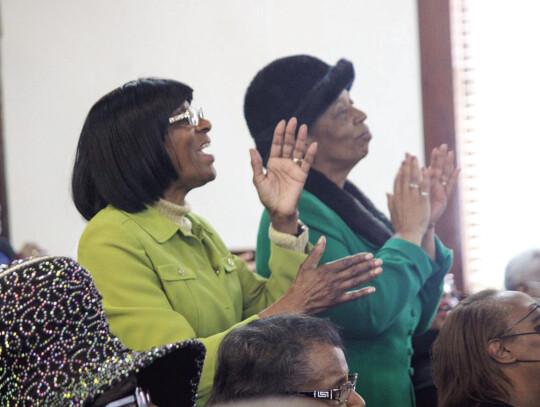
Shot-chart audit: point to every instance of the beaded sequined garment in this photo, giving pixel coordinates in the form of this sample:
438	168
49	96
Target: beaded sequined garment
56	348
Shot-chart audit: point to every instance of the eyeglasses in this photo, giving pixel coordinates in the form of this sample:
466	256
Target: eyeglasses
341	394
536	329
189	116
139	398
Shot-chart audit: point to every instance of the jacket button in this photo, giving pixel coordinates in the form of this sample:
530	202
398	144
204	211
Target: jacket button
217	271
231	262
180	271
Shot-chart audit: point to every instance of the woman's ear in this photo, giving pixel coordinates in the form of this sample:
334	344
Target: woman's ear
499	352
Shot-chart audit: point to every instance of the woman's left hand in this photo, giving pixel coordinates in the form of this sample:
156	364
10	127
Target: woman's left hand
288	165
443	176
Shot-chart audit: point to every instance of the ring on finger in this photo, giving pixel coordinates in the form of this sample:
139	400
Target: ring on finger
414	186
298	161
444	183
424	193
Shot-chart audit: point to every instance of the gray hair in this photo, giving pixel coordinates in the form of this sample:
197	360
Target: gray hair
522	268
269	356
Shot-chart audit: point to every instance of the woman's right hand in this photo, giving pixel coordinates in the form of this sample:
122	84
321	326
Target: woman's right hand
288	166
409	205
316	289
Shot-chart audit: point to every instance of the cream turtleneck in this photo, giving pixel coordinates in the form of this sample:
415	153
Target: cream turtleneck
175	213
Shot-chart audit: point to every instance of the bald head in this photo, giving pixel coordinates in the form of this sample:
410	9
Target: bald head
523	273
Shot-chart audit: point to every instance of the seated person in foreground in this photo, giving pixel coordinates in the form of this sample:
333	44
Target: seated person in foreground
276	401
488	352
523	273
288	354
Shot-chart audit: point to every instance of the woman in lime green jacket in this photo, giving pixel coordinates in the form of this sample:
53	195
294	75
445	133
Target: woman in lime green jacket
164	273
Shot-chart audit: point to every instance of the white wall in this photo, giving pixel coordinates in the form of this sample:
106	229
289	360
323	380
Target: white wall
60	56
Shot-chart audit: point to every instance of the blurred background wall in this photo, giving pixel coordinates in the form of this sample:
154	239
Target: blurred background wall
58	57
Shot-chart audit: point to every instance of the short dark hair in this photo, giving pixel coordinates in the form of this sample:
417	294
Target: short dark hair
121	157
269	356
463	371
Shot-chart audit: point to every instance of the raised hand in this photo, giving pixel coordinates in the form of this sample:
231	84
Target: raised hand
316	289
410	205
280	187
443	176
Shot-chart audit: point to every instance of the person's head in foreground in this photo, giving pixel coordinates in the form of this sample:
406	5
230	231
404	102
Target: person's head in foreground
488	352
523	273
56	348
317	94
275	401
289	354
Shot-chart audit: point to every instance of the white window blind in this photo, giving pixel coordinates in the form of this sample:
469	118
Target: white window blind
497	84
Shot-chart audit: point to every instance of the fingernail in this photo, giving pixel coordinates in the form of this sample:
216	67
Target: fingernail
368	256
377	262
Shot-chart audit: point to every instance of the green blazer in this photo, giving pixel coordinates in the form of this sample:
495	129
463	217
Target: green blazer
377	330
161	284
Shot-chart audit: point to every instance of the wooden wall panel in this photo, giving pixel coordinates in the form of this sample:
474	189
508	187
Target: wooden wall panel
438	109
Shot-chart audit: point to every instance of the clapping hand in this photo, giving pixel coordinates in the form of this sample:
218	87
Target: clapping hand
410	204
318	288
280	187
443	176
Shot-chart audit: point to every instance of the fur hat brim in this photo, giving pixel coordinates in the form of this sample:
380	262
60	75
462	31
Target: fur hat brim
327	90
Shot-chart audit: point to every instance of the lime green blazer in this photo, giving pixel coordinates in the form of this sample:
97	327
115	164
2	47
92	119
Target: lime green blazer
161	284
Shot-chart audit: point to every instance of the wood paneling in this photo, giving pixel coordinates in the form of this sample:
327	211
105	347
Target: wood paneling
438	109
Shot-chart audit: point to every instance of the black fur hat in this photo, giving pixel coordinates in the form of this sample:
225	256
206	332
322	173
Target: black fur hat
298	86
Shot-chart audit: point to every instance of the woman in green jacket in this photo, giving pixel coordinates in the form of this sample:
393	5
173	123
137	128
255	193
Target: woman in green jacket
164	273
377	332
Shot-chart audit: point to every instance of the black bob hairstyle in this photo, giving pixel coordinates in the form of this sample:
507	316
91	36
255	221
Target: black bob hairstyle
121	158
